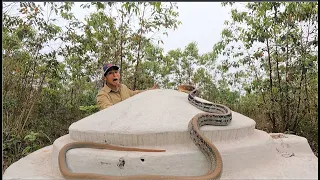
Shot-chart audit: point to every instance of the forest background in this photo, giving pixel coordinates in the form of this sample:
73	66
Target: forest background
265	65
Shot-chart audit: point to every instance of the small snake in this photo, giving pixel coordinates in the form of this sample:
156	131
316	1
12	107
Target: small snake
217	115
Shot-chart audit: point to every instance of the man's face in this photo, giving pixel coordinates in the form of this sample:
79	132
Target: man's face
113	77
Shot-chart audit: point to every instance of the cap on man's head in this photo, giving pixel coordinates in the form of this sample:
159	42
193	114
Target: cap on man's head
108	67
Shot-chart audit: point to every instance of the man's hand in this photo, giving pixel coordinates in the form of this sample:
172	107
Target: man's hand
155	86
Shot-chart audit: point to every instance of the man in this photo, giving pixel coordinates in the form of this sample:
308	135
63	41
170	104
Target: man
114	92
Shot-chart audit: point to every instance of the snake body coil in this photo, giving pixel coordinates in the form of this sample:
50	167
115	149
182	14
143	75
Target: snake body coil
217	115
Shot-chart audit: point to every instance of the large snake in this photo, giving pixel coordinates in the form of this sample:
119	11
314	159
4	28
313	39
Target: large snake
217	115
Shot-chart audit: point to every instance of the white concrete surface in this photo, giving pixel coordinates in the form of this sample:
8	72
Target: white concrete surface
158	119
183	159
303	165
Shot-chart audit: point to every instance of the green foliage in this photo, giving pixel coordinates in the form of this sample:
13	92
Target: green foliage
265	65
17	146
42	93
277	51
89	109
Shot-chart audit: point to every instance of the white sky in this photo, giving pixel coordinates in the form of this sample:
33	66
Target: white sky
201	22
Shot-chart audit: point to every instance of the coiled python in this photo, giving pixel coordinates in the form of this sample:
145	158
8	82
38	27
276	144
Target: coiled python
217	115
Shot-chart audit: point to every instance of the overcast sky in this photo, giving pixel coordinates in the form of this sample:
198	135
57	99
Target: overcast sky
201	22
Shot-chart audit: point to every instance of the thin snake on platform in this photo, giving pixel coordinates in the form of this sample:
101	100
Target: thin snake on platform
216	115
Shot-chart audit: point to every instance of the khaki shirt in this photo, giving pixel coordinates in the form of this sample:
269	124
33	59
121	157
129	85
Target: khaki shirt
107	97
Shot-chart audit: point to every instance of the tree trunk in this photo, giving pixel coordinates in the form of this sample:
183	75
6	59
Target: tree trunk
282	111
139	49
272	116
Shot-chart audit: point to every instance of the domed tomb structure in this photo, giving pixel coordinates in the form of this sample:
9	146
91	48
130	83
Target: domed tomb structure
158	119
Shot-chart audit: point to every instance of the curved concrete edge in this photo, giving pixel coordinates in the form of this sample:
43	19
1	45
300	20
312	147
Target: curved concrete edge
304	167
291	144
294	159
157	117
179	159
35	166
164	138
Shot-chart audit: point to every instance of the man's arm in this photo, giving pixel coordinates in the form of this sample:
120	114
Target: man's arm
140	91
103	101
135	92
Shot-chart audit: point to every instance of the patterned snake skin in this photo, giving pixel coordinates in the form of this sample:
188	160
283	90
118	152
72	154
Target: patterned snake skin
217	115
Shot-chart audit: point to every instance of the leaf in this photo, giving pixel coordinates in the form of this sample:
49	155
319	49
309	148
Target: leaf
31	137
100	5
26	150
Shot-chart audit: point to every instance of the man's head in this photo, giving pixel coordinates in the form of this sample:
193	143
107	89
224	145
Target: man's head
111	74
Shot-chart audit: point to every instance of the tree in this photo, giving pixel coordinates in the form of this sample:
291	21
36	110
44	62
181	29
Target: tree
272	47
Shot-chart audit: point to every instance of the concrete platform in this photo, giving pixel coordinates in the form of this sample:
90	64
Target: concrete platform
301	165
183	159
158	119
